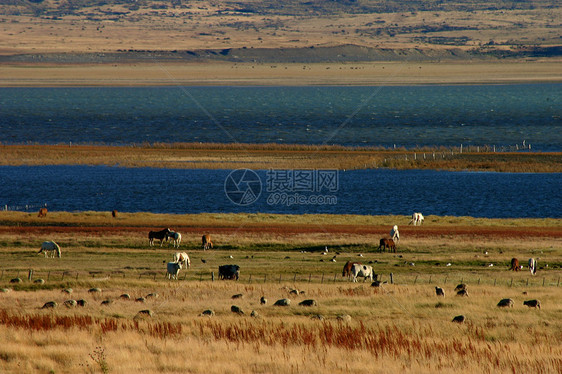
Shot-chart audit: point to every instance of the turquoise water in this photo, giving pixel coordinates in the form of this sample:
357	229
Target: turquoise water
496	115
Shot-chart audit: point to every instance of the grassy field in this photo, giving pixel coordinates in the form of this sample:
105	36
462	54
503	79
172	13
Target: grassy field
268	156
398	327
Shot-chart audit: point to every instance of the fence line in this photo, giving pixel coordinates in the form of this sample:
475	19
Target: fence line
442	280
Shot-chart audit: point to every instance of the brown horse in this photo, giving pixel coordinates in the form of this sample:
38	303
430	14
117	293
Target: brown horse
515	265
206	241
347	269
387	243
42	212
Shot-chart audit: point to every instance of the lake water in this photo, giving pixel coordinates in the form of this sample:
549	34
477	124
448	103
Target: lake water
501	115
368	192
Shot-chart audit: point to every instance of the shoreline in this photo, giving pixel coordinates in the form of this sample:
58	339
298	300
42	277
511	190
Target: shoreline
134	74
277	156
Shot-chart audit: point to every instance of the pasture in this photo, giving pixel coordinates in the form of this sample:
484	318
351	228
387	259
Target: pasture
398	327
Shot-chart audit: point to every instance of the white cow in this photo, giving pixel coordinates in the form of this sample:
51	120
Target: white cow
173	269
533	266
417	219
50	246
182	257
365	271
176	238
394	234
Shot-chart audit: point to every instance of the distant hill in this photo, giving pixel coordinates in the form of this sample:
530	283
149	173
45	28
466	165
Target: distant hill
278	31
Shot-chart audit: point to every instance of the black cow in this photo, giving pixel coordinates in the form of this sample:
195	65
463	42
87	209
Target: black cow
229	272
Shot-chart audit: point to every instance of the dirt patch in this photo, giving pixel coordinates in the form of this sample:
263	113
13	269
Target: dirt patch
290	230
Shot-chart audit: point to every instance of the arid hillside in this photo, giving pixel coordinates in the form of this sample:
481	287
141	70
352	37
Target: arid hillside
270	31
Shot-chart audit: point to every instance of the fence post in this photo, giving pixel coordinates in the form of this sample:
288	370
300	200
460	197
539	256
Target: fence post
322	281
429	282
335	275
295	278
309	277
77	275
279	278
511	284
479	281
543	281
391	278
155	276
445	281
558	284
250	279
416	279
63	275
212	276
264	278
30	275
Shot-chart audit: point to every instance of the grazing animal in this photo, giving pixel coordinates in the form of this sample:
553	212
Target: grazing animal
439	291
458	319
50	246
206	242
515	265
173	269
114	213
182	257
460	287
417	219
532	303
49	304
394	234
263	300
308	302
533	266
387	243
505	303
229	272
462	292
160	235
282	302
176	238
42	212
347	269
364	271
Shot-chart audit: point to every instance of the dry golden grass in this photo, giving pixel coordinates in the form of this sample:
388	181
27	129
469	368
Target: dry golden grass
271	156
401	327
225	73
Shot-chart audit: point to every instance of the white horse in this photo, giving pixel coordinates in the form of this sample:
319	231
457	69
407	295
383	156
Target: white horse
176	238
394	234
533	266
417	219
50	246
173	270
365	271
180	257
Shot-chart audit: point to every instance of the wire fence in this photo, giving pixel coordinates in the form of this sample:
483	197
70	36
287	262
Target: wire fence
22	276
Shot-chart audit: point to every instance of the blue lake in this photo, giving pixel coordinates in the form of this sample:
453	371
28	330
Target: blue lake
367	192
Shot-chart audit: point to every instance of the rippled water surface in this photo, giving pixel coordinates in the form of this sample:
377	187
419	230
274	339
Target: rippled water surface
501	115
372	191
